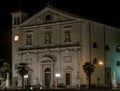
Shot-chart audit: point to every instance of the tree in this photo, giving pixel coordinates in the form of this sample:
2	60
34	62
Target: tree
6	68
22	70
1	63
88	69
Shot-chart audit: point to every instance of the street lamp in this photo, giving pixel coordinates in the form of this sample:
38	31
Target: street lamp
57	75
25	77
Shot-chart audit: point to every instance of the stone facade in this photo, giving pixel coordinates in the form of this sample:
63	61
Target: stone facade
55	42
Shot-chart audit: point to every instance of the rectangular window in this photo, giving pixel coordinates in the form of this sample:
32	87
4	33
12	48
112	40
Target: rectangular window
67	33
67	36
29	39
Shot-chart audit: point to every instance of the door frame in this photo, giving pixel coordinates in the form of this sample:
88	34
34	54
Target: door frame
69	72
50	74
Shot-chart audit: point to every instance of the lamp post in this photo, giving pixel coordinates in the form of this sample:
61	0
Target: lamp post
57	75
25	77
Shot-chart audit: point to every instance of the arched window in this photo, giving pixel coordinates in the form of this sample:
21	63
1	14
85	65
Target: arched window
95	45
15	21
95	61
118	63
18	20
29	39
118	48
107	48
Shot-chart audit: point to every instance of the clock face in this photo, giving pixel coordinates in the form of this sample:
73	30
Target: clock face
16	38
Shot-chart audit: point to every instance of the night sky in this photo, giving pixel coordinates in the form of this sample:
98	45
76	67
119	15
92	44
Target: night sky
97	10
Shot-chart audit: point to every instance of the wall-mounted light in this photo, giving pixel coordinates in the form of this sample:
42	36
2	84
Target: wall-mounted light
100	63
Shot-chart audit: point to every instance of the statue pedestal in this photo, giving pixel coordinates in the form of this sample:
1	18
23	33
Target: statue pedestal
114	84
7	81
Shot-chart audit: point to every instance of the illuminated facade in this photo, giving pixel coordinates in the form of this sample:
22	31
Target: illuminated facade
56	44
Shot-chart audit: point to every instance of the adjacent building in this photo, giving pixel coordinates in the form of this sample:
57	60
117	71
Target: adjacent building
56	44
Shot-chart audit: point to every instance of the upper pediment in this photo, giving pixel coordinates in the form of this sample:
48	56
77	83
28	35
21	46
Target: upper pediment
49	15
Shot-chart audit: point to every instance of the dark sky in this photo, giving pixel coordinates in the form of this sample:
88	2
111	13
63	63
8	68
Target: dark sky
106	11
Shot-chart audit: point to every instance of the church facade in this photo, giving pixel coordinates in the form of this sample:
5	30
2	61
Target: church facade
56	44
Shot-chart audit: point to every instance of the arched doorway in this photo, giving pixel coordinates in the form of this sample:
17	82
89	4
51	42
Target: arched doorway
46	71
47	78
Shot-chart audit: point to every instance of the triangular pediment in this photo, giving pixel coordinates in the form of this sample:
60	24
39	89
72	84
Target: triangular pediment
49	15
68	68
